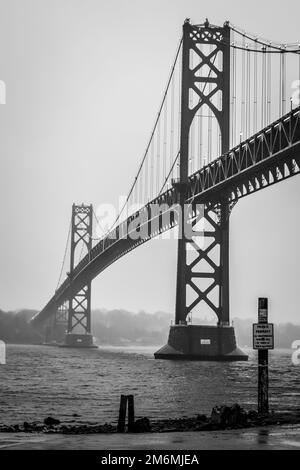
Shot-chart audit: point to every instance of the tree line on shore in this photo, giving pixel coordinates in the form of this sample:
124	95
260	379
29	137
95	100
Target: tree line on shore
120	327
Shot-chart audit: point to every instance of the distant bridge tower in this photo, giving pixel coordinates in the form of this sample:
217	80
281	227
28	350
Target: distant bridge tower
79	313
209	81
56	326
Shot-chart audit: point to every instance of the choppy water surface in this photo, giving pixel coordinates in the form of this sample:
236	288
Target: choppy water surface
38	381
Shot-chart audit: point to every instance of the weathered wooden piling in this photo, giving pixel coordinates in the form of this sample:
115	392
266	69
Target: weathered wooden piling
130	413
122	414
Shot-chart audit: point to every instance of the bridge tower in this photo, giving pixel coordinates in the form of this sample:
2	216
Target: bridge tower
56	326
79	313
188	341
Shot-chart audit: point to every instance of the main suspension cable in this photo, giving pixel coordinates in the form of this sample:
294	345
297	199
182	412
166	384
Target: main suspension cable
169	174
65	254
152	134
264	42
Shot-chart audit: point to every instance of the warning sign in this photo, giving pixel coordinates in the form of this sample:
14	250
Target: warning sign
263	336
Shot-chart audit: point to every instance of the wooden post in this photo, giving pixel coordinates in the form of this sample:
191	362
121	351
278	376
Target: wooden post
122	414
263	363
130	413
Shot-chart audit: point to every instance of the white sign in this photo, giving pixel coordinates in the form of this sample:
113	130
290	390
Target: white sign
205	342
2	353
263	336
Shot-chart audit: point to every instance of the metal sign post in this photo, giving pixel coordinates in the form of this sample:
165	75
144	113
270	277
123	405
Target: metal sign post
263	340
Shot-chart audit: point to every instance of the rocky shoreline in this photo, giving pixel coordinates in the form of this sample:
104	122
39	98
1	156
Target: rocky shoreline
221	418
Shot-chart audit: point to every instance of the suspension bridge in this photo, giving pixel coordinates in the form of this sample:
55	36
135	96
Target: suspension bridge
228	126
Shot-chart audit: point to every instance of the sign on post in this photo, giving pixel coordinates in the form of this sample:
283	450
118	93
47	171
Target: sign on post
263	336
263	341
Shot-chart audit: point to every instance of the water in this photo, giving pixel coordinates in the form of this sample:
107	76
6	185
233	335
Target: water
39	381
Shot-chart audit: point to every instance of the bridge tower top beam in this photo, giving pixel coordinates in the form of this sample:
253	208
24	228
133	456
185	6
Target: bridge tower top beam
195	40
82	226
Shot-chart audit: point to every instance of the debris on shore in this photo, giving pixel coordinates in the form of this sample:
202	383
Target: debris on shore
221	418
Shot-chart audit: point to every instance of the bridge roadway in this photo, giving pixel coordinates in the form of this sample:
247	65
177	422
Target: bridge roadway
268	157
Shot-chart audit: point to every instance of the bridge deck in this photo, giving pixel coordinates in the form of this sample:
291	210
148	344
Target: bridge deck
268	157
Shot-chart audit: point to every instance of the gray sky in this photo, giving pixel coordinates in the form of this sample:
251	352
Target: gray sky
84	81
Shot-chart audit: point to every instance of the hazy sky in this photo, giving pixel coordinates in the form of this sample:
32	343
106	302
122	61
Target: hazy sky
84	80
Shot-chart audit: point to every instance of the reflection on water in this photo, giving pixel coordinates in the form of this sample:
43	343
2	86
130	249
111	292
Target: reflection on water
263	436
85	386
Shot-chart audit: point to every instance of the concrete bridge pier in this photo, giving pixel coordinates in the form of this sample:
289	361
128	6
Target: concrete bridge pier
73	340
201	343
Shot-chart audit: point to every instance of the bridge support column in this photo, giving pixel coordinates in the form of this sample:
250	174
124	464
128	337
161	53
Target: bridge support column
79	321
79	315
209	286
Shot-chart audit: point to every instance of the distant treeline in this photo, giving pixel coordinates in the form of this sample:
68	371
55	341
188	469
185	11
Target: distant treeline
117	327
15	327
120	327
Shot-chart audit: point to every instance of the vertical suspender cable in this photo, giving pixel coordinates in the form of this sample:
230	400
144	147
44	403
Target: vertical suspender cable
200	145
299	71
243	93
247	93
233	113
146	195
172	136
165	139
298	85
263	95
65	254
140	185
130	200
282	83
269	88
179	116
280	86
255	89
235	98
297	91
152	170
158	161
220	65
209	141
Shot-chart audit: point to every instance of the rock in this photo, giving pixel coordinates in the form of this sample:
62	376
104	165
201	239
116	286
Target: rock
107	428
142	425
202	418
237	416
6	428
228	417
31	427
252	415
215	417
51	421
